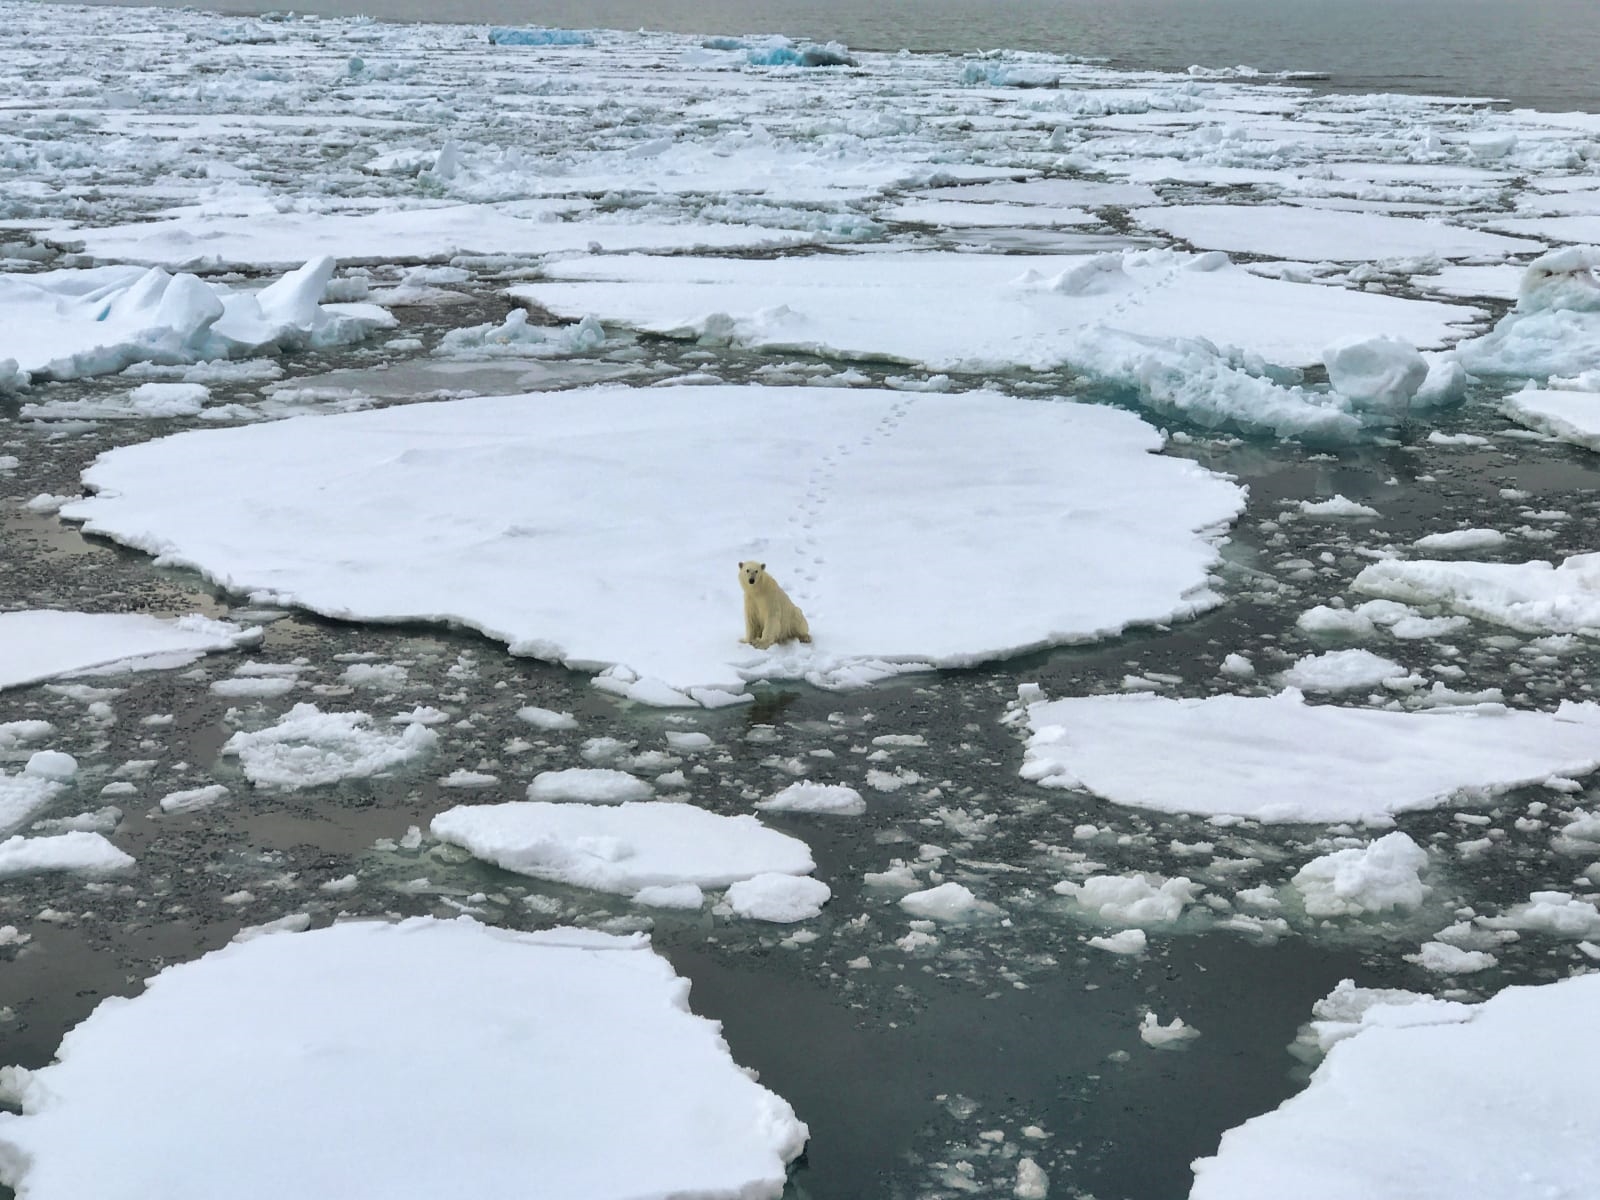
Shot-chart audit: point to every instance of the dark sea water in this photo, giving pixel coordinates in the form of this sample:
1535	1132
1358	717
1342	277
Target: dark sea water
1530	53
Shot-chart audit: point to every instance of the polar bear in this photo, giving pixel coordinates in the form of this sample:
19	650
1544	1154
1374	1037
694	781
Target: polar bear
769	615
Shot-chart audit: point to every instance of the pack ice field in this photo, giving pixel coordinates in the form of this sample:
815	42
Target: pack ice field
1188	483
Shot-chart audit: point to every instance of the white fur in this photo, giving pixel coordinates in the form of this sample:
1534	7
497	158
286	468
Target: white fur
769	615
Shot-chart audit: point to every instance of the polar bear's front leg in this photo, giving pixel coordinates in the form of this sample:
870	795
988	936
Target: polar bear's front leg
752	622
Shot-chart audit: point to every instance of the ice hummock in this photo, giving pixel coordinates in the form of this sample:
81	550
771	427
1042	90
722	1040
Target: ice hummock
70	323
1554	330
1491	1100
1277	758
291	1064
642	502
38	644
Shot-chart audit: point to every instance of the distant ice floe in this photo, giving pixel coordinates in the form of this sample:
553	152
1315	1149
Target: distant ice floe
805	796
1531	597
526	227
71	323
1278	759
1396	1111
1319	235
622	848
1194	334
641	503
38	644
574	1035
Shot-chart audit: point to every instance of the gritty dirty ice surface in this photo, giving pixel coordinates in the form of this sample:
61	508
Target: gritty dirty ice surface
1188	482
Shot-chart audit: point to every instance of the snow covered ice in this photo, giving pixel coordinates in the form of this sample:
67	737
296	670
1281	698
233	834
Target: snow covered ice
623	847
575	1035
457	366
1397	1111
43	644
1277	758
850	523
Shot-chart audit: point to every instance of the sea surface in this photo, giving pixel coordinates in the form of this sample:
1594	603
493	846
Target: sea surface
1529	53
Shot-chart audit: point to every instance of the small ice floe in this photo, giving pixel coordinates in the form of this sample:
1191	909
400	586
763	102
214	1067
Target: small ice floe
1336	506
625	847
948	902
463	778
547	719
1425	1074
589	785
1460	540
307	747
1344	670
1444	959
1170	1036
78	852
1532	597
574	1035
670	895
192	799
780	898
805	796
1131	899
42	644
41	780
1128	941
1385	876
1558	914
1301	762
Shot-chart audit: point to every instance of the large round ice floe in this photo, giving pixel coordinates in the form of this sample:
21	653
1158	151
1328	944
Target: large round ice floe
1455	1103
1277	758
623	847
42	643
291	1065
604	526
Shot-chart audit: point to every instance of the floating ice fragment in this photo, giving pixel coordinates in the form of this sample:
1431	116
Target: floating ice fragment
780	898
1385	876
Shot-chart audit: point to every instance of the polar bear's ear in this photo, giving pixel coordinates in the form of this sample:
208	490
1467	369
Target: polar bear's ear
763	566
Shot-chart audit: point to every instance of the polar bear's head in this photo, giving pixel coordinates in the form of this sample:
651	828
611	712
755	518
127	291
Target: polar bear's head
750	573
